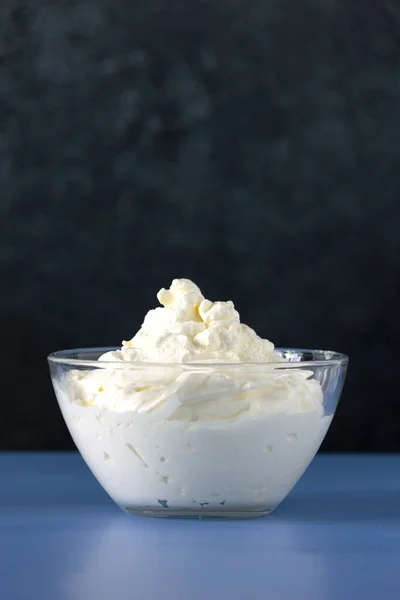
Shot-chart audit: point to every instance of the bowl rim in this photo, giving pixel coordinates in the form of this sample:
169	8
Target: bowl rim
63	357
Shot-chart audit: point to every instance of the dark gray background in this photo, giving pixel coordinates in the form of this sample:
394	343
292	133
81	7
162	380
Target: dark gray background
251	145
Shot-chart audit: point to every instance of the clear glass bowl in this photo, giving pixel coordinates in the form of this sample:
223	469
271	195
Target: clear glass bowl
198	440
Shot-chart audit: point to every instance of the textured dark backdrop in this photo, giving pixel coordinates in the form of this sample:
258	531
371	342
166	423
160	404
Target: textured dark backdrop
252	145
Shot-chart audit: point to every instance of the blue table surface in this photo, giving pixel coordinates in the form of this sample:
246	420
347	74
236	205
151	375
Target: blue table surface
337	536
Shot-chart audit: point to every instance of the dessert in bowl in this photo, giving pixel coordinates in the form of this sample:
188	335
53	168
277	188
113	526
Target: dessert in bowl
197	415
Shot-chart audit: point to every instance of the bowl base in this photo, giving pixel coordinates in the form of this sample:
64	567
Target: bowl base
188	513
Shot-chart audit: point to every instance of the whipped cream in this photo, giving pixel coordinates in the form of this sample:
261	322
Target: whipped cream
196	411
190	328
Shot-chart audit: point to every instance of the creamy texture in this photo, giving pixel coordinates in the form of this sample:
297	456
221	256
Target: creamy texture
199	427
244	464
190	328
203	394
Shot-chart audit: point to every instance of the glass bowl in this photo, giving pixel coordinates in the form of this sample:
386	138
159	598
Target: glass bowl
198	439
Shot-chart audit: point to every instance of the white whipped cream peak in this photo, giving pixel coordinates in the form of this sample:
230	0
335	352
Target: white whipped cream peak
190	328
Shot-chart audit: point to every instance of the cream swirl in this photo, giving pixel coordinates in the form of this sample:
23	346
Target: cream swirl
190	329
